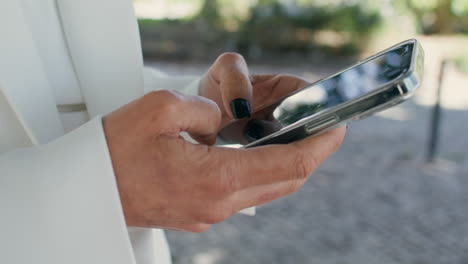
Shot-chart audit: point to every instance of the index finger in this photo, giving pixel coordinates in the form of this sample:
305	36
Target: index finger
231	72
271	88
279	163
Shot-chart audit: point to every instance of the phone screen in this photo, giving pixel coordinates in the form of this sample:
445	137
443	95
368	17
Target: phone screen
346	86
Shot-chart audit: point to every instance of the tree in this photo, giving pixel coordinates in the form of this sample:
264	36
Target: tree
210	13
448	16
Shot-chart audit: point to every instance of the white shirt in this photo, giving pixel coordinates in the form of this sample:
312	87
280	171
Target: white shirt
59	201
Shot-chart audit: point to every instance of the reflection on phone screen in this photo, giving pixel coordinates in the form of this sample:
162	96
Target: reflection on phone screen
345	86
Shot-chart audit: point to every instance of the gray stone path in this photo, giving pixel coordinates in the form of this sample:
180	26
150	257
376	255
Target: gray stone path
374	201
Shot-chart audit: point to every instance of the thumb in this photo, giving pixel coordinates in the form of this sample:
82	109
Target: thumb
198	116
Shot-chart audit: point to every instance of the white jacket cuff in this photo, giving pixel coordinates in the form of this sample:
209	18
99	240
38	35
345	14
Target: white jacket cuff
60	203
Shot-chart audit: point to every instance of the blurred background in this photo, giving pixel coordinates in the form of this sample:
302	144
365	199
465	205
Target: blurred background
397	191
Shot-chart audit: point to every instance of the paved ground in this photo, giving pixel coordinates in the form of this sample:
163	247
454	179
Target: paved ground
375	201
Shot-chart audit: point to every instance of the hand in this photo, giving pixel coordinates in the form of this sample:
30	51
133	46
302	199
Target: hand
167	182
246	101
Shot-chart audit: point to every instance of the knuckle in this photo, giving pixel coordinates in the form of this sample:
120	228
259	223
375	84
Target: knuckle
220	189
151	98
304	165
169	102
154	95
197	228
293	186
164	96
224	184
227	184
216	213
213	218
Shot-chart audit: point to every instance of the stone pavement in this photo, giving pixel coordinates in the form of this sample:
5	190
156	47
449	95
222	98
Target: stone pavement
374	201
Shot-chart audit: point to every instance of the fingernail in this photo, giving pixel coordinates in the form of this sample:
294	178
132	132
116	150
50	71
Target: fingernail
240	108
254	131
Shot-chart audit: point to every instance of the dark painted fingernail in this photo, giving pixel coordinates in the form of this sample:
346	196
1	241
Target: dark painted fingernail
240	108
254	131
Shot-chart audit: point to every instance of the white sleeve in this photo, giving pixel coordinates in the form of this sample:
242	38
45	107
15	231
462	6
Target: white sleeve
62	207
156	80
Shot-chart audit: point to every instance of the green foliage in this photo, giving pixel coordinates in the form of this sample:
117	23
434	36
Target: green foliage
462	63
425	5
260	28
460	7
437	16
275	26
210	13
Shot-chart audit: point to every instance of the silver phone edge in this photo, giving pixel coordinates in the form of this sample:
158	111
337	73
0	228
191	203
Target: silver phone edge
407	84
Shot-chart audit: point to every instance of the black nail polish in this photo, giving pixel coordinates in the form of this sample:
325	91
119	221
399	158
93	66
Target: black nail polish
240	108
254	131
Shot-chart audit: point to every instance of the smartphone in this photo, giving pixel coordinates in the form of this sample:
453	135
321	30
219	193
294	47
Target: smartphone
375	84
